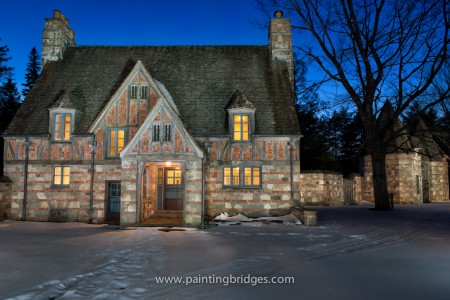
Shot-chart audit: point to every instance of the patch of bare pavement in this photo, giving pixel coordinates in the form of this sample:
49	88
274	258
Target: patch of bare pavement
353	253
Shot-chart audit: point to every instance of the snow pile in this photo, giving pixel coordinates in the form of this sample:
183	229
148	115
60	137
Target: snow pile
287	219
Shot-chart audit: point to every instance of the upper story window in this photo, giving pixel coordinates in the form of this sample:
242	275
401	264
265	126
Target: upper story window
116	142
167	133
138	91
241	127
133	91
155	133
241	117
61	175
144	92
62	126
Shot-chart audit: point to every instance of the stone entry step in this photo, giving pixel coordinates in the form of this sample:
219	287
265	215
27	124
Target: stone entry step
164	217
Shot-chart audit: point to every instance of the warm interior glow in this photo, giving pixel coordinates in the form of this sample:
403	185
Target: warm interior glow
168	163
236	176
240	128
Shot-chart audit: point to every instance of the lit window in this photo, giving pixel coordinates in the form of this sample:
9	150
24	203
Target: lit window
231	176
144	92
252	176
62	127
241	128
133	91
61	175
173	177
155	135
116	141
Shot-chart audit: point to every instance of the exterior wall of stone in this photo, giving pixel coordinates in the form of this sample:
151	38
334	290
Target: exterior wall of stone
358	181
405	179
439	181
5	200
43	197
129	192
271	199
193	193
322	188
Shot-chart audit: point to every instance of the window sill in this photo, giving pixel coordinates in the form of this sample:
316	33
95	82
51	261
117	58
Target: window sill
239	187
59	187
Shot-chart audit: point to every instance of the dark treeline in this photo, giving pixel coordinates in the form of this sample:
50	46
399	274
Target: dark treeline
10	98
333	138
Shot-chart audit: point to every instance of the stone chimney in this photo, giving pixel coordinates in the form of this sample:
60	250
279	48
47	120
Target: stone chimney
56	37
280	41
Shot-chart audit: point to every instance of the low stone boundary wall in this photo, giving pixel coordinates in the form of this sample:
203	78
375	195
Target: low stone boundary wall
5	198
322	188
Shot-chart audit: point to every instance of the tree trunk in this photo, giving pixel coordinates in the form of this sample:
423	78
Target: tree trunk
379	178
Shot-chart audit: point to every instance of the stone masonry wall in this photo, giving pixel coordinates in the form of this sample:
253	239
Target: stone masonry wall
404	178
128	204
42	197
5	200
439	181
193	193
273	198
322	188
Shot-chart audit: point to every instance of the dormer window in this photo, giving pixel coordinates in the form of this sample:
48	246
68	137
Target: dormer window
62	118
63	127
241	127
241	118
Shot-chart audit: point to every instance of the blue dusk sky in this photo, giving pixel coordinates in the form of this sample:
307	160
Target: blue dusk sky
138	22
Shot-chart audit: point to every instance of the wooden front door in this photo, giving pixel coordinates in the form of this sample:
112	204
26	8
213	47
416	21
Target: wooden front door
112	212
173	189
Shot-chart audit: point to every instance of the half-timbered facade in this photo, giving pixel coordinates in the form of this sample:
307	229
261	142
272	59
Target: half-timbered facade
127	134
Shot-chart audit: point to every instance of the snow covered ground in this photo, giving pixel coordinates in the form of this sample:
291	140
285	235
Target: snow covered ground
354	253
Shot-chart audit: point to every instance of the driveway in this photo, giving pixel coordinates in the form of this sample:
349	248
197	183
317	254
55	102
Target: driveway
354	253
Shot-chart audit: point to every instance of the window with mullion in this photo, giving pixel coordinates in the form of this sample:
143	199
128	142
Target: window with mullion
243	176
116	142
167	136
241	127
61	175
155	133
63	127
252	176
133	91
231	176
144	92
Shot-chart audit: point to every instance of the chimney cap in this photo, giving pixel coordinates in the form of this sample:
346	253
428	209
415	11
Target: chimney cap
278	14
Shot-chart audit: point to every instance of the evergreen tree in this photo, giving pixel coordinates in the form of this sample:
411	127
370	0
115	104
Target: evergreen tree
33	69
4	70
9	102
314	154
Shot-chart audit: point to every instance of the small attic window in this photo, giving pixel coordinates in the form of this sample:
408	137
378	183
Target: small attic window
241	117
133	91
138	91
144	92
241	127
62	126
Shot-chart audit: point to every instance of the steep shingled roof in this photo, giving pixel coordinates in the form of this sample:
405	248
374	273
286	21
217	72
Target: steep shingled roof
200	79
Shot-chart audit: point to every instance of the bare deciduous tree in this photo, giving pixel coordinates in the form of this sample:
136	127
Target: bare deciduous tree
381	52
